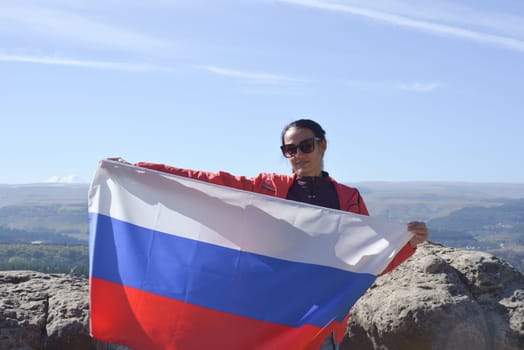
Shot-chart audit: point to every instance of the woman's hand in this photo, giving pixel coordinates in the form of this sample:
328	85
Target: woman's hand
420	232
120	160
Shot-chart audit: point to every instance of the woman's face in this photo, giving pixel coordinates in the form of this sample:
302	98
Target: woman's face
305	164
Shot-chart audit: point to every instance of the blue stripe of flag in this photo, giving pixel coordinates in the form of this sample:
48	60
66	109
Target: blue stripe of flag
219	278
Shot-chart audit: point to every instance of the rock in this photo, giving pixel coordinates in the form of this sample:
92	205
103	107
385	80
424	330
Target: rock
442	298
44	311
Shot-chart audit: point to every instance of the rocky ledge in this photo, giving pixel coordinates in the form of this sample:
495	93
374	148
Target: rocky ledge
441	298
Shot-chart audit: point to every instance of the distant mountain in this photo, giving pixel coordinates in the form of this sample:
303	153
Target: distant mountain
43	193
47	222
480	216
486	217
445	189
68	179
424	201
481	219
498	230
393	200
48	212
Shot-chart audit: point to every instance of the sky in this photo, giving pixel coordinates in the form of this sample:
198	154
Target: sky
406	90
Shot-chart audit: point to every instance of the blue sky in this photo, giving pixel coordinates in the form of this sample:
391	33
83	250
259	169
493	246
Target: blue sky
406	90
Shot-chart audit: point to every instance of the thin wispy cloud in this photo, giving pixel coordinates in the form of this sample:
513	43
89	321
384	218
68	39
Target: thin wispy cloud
73	27
388	86
452	13
68	179
83	63
417	23
258	77
419	87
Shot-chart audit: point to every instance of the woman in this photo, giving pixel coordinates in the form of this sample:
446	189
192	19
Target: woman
304	144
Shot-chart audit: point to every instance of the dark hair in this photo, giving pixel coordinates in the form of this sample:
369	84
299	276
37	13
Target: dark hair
305	124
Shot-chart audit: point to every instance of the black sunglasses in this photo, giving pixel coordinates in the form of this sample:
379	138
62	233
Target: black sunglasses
305	146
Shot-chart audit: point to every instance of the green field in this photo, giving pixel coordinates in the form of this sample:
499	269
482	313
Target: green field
45	258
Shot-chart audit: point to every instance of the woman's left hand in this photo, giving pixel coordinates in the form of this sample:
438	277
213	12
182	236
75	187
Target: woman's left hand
420	232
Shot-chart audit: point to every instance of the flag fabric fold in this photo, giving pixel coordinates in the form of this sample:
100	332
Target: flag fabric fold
177	263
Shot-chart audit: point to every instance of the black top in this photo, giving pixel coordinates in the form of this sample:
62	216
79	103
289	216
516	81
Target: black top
317	190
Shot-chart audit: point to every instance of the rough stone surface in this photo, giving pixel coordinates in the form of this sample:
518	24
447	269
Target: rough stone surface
44	311
441	298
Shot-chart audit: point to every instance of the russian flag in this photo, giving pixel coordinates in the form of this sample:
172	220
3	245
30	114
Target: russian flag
177	263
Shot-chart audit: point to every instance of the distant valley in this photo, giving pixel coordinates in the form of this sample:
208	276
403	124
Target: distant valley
477	216
487	217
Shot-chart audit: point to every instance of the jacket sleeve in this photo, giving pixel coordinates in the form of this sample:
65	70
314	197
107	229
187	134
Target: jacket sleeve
361	206
350	199
220	178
